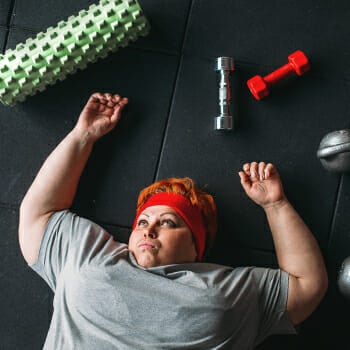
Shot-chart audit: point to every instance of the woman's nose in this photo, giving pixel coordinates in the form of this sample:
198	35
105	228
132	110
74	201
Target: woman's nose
150	231
149	234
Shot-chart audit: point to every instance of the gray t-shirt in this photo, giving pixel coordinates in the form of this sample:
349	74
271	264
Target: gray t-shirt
104	300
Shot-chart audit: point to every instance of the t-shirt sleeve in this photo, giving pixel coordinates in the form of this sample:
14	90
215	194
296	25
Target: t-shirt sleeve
74	239
272	286
257	297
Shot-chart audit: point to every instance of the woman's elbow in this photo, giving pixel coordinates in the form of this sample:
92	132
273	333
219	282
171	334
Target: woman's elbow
305	297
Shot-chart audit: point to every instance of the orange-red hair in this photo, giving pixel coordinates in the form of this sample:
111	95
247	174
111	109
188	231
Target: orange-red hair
198	198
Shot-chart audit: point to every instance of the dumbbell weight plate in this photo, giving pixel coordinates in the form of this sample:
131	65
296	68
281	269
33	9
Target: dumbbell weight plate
344	278
334	151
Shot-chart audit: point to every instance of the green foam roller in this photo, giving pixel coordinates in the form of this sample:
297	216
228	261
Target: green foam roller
72	44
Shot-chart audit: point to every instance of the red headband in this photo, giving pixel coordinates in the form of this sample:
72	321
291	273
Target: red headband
189	213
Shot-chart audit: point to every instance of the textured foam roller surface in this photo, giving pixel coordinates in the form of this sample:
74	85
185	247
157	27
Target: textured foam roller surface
92	34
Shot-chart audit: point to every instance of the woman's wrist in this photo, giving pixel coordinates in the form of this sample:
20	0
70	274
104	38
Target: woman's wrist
83	137
276	205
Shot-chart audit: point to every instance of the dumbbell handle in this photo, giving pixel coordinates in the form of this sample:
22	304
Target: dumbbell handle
279	74
224	92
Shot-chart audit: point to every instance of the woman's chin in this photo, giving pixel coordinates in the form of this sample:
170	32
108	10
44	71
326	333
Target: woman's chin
147	260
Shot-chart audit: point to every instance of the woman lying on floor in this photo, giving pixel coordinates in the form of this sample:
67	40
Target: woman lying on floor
157	292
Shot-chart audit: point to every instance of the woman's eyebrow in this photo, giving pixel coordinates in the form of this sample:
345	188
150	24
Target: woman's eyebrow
175	215
167	213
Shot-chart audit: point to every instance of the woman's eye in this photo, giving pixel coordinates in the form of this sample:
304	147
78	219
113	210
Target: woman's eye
142	223
168	223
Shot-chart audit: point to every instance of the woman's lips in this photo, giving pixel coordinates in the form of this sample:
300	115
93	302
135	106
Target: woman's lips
147	245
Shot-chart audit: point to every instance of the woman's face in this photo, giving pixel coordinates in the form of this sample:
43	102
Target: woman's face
161	237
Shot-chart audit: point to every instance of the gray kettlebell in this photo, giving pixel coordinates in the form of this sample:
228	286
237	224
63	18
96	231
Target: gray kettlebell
334	151
344	278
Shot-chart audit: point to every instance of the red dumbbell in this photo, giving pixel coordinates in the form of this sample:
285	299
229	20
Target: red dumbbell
297	63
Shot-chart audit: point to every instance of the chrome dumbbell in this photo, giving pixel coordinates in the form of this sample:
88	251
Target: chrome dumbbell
224	65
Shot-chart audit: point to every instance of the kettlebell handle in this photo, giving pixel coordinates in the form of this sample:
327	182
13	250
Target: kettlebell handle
333	150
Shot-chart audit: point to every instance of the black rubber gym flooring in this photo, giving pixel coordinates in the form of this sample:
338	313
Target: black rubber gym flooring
167	130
